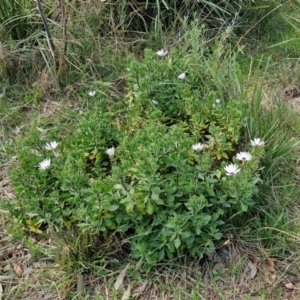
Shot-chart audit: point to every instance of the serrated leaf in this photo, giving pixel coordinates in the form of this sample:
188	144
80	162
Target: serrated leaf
129	207
225	155
155	195
120	278
218	174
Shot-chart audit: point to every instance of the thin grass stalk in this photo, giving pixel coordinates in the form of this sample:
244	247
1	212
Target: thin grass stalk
62	56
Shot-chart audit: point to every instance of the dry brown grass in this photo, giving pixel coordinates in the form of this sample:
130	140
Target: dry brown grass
239	271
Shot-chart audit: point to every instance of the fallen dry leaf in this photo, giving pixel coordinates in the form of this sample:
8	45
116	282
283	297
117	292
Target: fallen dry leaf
126	295
210	255
64	253
226	243
264	278
262	251
289	286
219	266
18	270
137	291
253	269
121	277
273	276
65	249
271	265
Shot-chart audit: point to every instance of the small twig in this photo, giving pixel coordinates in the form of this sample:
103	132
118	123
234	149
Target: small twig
48	34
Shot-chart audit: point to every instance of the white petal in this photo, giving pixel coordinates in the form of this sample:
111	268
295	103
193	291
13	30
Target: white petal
17	130
181	76
45	164
198	147
257	142
162	52
51	146
110	151
244	156
231	169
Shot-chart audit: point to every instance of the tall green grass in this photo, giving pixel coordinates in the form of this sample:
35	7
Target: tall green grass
90	26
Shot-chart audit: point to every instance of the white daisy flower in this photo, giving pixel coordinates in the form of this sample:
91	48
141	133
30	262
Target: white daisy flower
231	170
110	151
162	52
257	142
244	156
92	93
198	147
45	164
218	101
51	146
181	76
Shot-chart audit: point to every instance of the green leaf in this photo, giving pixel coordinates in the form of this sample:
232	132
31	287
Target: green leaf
155	195
218	174
211	192
161	254
177	242
129	207
200	176
150	208
118	186
190	241
186	234
109	223
244	206
113	207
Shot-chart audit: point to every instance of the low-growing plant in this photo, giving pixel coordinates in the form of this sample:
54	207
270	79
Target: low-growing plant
160	169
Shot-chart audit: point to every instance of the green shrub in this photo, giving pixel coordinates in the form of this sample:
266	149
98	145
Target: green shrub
149	168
